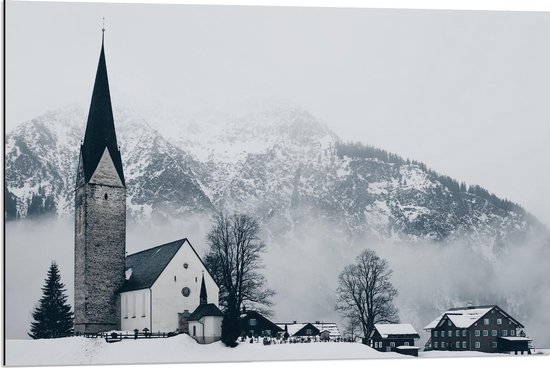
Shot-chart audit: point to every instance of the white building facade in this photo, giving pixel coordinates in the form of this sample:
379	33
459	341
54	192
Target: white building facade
162	288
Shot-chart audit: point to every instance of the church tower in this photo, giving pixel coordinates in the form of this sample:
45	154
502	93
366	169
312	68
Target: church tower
100	216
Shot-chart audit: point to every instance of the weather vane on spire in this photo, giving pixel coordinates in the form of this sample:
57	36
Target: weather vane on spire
103	28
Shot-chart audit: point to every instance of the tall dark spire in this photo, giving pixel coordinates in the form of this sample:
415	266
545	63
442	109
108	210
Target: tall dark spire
203	296
100	128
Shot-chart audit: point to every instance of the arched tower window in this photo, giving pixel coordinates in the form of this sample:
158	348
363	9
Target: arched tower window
105	196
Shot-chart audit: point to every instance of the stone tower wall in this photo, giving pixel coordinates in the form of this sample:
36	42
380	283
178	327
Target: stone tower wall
100	241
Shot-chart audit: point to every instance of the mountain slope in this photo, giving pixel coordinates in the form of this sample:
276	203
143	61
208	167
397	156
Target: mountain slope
275	161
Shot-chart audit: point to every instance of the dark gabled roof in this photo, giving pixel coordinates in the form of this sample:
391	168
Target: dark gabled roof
205	310
100	127
245	316
148	264
302	330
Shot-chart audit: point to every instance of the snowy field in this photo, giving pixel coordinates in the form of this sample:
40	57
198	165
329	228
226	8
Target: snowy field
80	350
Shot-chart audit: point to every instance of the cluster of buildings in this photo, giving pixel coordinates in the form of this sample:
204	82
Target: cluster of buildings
168	287
486	328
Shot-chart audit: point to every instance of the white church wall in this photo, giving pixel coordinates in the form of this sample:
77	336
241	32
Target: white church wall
207	330
135	310
196	331
168	298
212	326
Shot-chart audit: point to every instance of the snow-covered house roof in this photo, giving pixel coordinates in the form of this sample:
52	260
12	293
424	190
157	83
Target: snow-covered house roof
464	317
395	329
331	327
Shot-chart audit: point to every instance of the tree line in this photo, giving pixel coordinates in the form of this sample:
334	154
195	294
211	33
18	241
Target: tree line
360	150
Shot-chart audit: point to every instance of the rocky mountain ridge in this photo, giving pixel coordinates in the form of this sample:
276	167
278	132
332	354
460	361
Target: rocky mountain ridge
276	162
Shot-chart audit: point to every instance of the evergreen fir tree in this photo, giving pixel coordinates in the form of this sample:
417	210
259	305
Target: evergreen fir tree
53	316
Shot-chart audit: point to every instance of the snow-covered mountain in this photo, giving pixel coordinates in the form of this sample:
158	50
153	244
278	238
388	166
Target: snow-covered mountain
275	161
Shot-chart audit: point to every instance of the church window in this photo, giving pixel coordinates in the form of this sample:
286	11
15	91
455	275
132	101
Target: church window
106	196
125	305
174	278
143	305
185	265
185	292
133	305
194	330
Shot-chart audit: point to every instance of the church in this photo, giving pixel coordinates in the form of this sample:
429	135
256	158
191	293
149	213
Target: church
166	288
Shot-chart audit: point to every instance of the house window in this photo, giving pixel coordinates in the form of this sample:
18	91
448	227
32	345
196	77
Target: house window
504	332
435	334
494	344
499	321
308	331
406	343
267	332
493	332
252	322
478	333
443	344
194	330
485	332
463	333
478	345
486	321
392	344
463	344
457	344
512	332
449	323
436	344
457	333
442	333
450	333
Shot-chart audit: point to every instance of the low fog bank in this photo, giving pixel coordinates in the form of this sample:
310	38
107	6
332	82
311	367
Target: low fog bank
303	265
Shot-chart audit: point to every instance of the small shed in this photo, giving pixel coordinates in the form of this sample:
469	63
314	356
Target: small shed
388	337
515	344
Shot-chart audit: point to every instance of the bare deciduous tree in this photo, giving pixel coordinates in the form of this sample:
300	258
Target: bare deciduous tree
234	259
365	292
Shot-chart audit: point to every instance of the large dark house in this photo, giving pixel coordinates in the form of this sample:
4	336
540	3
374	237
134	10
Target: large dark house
483	328
391	336
253	323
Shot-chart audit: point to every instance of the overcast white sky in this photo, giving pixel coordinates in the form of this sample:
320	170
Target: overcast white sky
466	92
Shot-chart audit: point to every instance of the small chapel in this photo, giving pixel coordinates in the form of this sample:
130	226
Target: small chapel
166	288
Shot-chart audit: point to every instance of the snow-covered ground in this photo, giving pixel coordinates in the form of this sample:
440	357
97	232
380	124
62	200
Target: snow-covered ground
80	350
